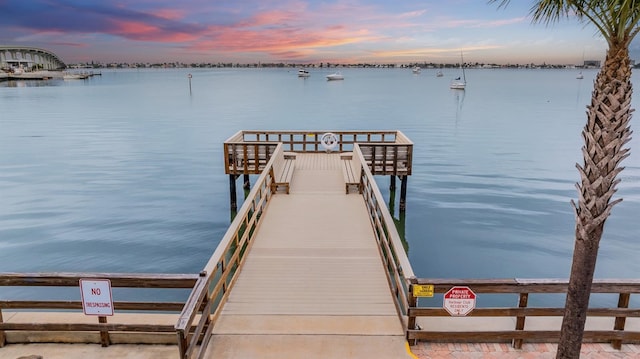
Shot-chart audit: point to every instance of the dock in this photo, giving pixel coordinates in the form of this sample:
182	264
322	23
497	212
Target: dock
313	285
46	75
312	265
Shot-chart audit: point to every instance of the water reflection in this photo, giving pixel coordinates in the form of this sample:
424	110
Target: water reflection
458	98
400	220
30	83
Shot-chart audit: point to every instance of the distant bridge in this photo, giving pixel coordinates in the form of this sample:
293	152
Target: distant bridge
29	58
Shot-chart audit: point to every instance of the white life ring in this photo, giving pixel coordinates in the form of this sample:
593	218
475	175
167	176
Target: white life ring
329	141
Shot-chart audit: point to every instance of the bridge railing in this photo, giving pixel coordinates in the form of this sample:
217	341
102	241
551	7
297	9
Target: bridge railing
205	304
604	323
385	152
399	270
74	322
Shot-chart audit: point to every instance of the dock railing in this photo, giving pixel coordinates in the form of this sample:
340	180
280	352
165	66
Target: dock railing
385	152
56	281
399	271
204	306
604	324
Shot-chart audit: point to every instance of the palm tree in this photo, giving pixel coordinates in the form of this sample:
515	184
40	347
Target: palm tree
606	133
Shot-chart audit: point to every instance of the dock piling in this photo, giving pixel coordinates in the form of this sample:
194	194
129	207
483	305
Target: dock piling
247	182
232	193
403	193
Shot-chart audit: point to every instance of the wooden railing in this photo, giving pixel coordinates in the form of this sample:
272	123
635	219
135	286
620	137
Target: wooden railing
399	270
118	280
309	141
388	159
204	306
522	289
209	289
247	157
385	152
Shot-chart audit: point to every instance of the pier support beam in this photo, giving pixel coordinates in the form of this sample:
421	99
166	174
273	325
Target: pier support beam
403	193
392	184
247	182
233	200
392	201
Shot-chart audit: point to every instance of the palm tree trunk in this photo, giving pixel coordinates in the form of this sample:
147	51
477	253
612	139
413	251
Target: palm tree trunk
605	134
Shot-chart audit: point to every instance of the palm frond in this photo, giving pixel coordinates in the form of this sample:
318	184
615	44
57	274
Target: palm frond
615	20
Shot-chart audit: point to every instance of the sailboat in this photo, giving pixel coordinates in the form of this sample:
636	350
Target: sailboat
580	76
459	83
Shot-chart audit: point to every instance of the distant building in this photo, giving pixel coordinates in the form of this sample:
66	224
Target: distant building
29	58
591	64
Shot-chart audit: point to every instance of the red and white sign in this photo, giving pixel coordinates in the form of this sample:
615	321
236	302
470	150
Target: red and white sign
96	297
459	301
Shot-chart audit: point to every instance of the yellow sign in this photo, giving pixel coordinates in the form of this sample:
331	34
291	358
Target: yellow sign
422	290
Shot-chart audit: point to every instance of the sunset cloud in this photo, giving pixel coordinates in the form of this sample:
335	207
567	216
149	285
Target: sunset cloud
271	30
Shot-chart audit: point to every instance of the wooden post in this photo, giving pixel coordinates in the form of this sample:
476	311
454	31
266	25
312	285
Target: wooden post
232	193
392	184
522	303
207	314
183	344
623	302
104	333
411	321
247	182
3	339
392	202
403	193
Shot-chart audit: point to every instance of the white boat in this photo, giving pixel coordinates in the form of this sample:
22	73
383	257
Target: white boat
416	70
335	76
72	76
439	74
18	70
459	83
303	73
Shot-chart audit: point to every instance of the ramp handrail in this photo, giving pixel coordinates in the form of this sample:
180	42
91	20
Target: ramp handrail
399	270
207	299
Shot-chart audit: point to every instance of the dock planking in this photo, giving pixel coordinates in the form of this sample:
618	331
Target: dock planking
313	281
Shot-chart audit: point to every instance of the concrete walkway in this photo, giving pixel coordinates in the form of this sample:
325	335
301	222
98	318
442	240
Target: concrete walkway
420	351
528	351
90	351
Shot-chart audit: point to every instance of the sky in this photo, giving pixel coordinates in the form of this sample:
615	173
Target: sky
295	31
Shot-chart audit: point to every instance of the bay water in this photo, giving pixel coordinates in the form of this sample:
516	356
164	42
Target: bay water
123	172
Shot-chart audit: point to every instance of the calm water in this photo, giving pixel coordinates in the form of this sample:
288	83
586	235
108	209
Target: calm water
123	172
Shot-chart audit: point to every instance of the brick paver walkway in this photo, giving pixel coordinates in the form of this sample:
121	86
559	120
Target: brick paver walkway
505	351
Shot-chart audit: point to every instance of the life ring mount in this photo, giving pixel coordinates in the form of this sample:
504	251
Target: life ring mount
329	141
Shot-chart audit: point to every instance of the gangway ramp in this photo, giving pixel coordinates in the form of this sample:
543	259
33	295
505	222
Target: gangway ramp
313	284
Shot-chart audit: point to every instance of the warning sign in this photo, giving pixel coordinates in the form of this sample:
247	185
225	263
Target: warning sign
96	297
459	301
422	290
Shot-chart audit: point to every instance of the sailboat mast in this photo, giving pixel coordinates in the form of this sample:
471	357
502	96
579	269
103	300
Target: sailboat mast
464	76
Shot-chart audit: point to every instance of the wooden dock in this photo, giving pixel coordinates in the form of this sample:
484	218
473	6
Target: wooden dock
313	284
311	266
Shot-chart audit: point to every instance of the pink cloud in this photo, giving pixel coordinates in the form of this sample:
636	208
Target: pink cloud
169	14
284	34
146	32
